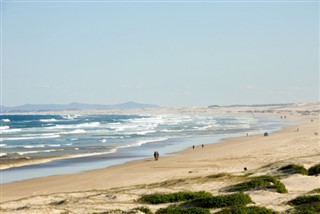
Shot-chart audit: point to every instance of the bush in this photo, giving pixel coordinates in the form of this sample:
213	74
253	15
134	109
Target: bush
145	210
307	204
312	208
294	169
261	182
306	199
247	210
220	201
181	210
315	170
158	198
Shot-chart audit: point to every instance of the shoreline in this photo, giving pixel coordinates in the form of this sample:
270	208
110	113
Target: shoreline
229	155
56	163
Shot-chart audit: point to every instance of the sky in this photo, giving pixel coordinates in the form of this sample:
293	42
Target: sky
170	53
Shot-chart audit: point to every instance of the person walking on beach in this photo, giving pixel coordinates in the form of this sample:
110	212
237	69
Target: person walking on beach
202	145
156	155
193	146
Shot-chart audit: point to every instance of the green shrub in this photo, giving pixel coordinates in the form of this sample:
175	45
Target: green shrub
305	199
261	182
247	210
181	210
158	198
145	210
315	191
312	208
294	169
220	201
314	170
307	204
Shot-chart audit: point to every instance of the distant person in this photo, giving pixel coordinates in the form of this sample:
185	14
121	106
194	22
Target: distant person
202	145
156	155
193	146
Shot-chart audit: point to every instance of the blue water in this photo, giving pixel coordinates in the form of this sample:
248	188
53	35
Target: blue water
95	141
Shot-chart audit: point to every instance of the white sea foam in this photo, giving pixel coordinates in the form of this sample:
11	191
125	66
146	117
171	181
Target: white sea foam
38	151
9	130
4	127
34	146
68	144
54	145
141	142
77	126
31	137
3	145
6	120
77	131
74	139
103	140
71	117
3	154
48	120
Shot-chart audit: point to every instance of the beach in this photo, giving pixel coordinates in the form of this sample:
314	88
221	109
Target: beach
118	187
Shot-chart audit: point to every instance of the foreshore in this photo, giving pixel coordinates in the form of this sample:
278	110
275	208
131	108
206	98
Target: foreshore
259	154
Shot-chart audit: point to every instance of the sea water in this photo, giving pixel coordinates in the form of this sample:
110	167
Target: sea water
85	142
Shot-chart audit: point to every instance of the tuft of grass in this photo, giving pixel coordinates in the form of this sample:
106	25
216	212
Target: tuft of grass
314	170
305	199
294	169
219	175
59	202
315	191
247	210
158	198
115	211
260	182
220	201
182	210
306	204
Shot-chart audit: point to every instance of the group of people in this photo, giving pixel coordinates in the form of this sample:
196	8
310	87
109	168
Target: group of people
195	147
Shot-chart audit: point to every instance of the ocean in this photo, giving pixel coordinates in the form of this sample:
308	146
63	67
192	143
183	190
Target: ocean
85	142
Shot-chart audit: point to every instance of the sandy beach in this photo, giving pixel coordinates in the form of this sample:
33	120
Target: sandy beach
118	187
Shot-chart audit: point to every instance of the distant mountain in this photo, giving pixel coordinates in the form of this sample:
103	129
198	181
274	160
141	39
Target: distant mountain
75	106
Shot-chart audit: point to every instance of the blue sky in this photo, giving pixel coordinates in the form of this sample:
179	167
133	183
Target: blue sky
171	54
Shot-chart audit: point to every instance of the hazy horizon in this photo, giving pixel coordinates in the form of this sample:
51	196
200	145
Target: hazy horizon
163	53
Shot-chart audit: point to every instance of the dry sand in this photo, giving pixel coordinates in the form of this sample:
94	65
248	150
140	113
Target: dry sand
117	187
